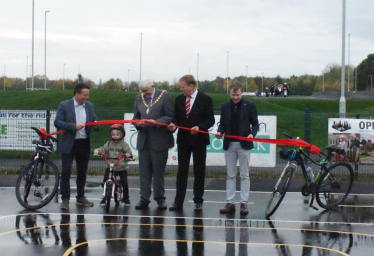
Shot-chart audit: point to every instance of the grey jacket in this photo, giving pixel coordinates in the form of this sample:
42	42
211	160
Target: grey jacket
158	136
65	120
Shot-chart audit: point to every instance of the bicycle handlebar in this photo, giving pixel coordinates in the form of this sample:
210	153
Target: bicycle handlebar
43	134
122	155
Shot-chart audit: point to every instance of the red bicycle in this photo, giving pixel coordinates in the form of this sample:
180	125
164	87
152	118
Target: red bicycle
113	188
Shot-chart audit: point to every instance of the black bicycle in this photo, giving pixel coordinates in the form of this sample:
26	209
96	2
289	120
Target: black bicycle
38	181
331	184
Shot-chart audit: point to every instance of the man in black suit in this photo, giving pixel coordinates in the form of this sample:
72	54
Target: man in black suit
75	143
193	109
238	118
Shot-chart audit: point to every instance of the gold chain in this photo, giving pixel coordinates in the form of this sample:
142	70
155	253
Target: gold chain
154	102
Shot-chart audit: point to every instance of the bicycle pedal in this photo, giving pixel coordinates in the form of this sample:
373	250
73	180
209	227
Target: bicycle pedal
313	207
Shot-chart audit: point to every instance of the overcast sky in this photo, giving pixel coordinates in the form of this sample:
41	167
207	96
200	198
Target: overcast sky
285	37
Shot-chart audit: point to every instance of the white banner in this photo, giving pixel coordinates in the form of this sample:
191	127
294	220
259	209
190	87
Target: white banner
358	135
263	154
15	127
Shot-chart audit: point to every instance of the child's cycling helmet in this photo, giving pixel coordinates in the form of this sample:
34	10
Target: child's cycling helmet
120	128
342	137
288	154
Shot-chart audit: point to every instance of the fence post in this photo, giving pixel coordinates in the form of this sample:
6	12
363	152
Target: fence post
47	124
356	165
307	122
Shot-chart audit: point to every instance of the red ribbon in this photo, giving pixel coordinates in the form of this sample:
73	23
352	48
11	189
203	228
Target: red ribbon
285	142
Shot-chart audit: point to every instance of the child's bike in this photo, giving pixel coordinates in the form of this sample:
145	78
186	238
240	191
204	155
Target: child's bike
38	181
112	188
330	187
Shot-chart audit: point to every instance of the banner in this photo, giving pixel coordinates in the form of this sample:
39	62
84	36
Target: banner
15	131
263	154
356	136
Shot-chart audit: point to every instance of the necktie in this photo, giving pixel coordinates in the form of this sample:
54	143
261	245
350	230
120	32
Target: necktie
148	100
188	106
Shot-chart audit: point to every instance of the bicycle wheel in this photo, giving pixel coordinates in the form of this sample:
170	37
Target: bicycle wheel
280	190
108	195
117	194
33	189
334	185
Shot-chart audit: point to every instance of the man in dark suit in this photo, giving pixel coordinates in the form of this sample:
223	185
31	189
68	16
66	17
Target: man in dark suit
238	118
75	143
153	141
193	109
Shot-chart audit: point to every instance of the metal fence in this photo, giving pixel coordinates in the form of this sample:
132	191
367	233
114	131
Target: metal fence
311	127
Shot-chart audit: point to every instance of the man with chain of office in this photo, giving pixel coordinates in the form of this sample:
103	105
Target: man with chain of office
153	105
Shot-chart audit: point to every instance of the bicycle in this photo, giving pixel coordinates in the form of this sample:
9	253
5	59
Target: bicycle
330	187
112	188
38	181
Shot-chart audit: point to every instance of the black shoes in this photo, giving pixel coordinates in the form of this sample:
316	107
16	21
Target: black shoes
141	206
198	207
162	205
175	207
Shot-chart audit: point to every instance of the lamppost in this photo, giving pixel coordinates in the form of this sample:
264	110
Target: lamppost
197	72
63	77
227	87
371	82
246	78
128	80
342	109
4	76
349	42
27	69
141	39
78	73
32	49
262	83
45	50
323	82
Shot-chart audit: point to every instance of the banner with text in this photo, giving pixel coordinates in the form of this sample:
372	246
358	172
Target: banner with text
263	154
15	132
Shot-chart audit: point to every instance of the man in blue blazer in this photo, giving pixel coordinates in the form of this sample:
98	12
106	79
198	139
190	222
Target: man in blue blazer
75	143
238	118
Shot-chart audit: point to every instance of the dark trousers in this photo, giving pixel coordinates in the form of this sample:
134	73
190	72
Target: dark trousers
81	153
123	176
199	159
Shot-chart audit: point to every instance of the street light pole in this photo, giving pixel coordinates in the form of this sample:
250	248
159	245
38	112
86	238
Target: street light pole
128	80
246	78
4	76
27	69
227	87
45	50
262	83
32	49
197	72
349	43
342	109
323	82
63	77
141	38
371	82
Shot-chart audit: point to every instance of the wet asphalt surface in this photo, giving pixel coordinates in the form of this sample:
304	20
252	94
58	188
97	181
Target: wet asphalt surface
295	229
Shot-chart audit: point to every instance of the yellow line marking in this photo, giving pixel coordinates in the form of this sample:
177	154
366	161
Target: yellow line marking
69	251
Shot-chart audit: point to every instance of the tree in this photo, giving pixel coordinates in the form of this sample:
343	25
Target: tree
134	86
112	84
252	87
364	70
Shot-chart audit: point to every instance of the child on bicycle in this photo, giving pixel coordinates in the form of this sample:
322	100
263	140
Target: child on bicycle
113	148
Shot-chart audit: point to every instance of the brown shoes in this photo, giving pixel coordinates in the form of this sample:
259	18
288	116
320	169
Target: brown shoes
228	208
243	209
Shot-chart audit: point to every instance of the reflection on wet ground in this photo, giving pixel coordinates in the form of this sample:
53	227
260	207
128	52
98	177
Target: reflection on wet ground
294	230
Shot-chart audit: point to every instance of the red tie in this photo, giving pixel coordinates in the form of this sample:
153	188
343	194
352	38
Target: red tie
188	106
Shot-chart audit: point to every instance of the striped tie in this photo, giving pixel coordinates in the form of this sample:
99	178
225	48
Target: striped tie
188	106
